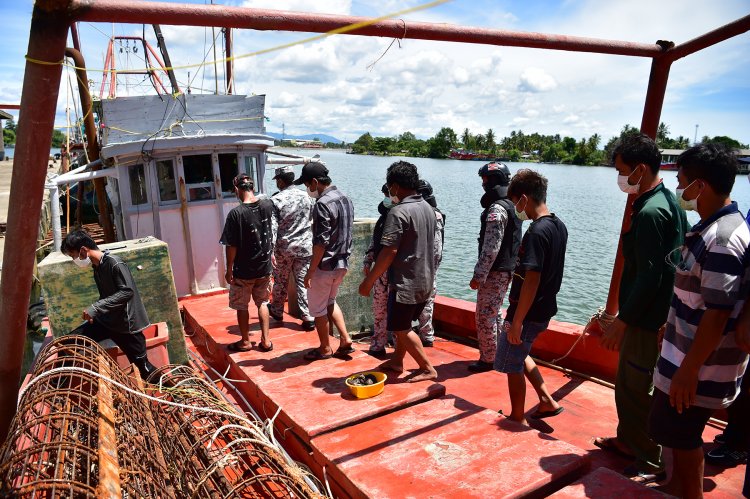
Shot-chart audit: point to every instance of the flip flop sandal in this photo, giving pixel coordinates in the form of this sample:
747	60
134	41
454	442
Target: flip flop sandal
315	354
344	351
547	414
607	444
644	477
235	347
265	349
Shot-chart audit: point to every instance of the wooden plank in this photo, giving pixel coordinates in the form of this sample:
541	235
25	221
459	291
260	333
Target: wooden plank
109	468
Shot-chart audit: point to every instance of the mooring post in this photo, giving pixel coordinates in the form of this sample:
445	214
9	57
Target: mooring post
41	84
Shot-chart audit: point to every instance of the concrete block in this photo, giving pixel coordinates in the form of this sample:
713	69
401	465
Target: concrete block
68	289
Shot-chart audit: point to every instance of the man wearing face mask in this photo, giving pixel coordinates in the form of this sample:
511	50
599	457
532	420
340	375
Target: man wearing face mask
332	223
657	229
119	314
408	257
499	240
380	288
701	364
533	294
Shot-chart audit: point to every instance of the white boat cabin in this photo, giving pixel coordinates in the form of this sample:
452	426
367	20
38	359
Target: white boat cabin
175	160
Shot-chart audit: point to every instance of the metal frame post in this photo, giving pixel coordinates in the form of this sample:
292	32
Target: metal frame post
47	38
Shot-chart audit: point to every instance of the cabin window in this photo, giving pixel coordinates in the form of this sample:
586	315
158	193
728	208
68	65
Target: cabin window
251	168
227	171
138	189
167	185
199	179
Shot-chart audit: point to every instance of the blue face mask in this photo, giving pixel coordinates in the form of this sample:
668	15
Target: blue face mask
387	202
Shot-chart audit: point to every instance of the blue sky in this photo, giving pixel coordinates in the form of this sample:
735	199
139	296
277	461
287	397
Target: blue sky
326	86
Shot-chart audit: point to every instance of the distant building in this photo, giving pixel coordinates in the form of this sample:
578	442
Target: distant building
3	116
669	158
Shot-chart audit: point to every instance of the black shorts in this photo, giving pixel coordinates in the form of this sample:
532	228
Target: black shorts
132	344
401	315
671	429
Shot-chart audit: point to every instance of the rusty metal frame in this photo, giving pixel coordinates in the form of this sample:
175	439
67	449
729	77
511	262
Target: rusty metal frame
50	22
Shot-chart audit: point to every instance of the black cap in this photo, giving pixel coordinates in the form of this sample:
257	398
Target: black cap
496	169
311	171
283	170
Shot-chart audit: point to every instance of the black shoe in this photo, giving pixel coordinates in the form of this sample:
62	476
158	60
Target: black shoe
427	343
308	325
145	368
725	457
276	317
480	367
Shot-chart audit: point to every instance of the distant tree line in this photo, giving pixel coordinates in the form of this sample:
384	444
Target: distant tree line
9	135
518	145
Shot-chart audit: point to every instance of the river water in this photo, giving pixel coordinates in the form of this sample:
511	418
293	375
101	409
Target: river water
586	198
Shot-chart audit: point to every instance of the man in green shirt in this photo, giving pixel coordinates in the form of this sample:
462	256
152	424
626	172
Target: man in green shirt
657	229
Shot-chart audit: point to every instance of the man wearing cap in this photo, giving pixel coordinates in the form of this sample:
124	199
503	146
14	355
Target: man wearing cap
248	237
292	209
424	329
499	240
332	222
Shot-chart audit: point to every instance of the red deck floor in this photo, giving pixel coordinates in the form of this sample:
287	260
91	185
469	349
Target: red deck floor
356	440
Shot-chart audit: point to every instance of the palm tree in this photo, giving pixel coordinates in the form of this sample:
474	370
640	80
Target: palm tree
466	138
489	141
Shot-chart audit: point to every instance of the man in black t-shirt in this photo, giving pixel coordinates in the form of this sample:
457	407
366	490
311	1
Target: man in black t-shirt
248	237
533	293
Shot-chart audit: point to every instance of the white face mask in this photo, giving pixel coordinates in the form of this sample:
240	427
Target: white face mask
85	262
313	193
521	215
691	205
624	185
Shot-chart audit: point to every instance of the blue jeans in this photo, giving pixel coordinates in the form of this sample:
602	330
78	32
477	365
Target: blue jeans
509	358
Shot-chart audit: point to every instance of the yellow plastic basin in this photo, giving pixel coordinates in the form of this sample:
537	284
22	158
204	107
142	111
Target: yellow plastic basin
367	391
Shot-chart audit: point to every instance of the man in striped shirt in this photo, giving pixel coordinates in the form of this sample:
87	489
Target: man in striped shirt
701	366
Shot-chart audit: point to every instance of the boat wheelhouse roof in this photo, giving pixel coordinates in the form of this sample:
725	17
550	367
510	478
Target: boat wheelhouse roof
158	123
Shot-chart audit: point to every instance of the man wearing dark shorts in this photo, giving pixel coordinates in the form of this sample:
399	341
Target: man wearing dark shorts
119	314
700	366
533	293
408	255
248	237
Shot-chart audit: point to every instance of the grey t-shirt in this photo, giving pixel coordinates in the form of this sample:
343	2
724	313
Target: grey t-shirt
411	227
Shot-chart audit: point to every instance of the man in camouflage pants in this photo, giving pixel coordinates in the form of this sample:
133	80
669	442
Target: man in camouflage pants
425	330
499	240
292	210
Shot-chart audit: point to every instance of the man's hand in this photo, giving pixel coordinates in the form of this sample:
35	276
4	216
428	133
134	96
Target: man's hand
365	287
229	277
474	284
308	278
514	333
612	338
683	388
87	317
366	269
273	260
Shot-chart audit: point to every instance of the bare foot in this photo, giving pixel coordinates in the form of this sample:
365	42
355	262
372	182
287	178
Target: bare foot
424	375
521	420
391	366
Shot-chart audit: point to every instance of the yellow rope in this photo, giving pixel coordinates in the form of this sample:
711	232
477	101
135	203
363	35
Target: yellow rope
337	31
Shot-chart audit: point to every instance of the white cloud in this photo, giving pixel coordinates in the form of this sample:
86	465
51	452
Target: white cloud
536	80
